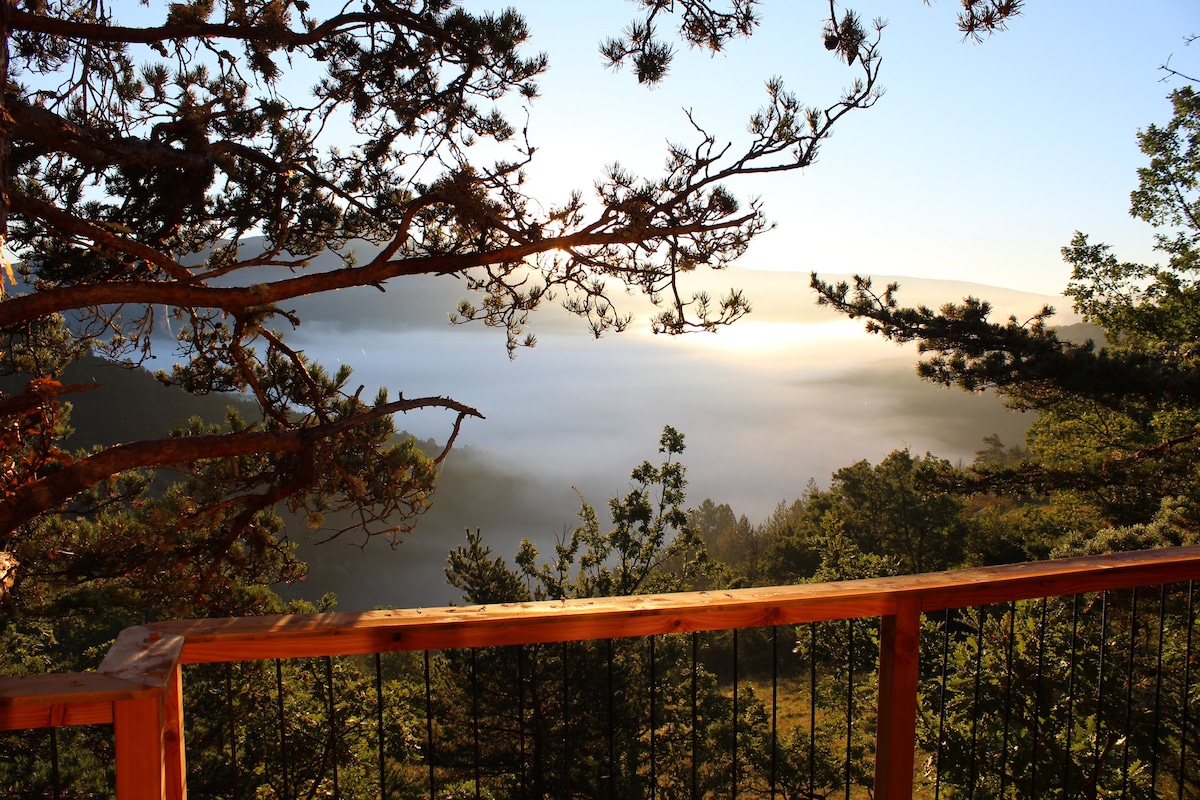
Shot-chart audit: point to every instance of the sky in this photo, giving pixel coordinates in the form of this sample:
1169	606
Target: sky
971	173
978	164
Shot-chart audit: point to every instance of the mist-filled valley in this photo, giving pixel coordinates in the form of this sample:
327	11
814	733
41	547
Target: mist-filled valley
788	395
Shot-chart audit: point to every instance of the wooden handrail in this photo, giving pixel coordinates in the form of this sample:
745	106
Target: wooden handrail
55	701
138	687
347	633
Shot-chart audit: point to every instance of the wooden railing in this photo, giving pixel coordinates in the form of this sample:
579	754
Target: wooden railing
138	687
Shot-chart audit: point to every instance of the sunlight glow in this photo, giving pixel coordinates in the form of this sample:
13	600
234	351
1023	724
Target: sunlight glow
773	338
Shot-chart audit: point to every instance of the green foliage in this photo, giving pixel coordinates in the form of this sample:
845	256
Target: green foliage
618	716
729	539
1167	194
526	703
481	578
1060	698
890	509
650	548
873	520
328	726
994	453
843	656
791	535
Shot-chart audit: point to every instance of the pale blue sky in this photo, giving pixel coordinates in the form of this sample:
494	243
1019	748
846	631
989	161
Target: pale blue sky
978	164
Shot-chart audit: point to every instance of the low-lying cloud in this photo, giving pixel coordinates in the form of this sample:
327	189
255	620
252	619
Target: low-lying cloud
765	410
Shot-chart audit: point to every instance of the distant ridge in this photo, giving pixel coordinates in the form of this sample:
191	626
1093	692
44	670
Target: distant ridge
779	296
425	301
135	407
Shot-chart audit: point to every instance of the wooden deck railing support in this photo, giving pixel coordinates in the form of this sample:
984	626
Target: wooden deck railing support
148	731
896	723
139	754
138	688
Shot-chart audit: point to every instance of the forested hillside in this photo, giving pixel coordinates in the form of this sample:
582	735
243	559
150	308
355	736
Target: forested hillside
134	406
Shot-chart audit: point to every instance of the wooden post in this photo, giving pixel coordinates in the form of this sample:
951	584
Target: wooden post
176	765
899	671
148	729
138	731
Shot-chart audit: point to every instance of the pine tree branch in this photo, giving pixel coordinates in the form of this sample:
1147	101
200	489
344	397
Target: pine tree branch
25	308
28	501
99	236
36	393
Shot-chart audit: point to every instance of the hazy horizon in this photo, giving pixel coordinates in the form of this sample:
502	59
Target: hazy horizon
791	393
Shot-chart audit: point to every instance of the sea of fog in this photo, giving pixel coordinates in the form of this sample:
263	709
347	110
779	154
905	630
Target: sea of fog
786	396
